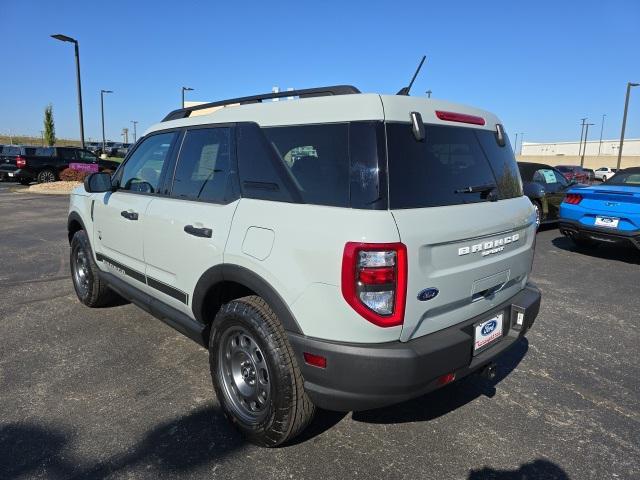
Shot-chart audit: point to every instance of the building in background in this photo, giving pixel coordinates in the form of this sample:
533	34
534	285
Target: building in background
609	148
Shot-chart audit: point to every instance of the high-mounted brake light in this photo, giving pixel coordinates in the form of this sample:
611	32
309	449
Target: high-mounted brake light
459	117
573	198
374	281
21	162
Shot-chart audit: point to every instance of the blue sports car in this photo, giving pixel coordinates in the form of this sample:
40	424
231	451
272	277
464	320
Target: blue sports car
606	213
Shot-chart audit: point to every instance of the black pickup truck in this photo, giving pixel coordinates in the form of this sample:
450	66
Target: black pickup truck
44	164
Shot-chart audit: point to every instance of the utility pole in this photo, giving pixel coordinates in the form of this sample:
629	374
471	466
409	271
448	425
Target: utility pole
125	134
135	135
521	140
581	136
624	120
601	129
428	92
584	150
515	146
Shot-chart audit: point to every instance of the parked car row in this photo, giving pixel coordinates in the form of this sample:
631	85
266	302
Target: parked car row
111	149
26	164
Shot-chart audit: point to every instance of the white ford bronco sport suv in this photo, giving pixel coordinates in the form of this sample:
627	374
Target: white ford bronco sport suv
338	250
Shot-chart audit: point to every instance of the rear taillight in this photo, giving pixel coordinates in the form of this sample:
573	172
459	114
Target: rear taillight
374	281
21	162
459	117
573	198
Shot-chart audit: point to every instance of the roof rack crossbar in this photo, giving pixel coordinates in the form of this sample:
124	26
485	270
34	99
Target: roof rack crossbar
304	93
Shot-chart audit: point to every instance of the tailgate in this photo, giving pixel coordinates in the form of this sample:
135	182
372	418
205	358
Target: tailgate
476	255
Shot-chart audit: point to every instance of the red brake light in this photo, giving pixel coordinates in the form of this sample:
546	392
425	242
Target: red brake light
374	281
21	162
573	198
459	117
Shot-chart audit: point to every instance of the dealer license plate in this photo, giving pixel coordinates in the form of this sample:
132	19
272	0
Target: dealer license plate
487	332
609	222
10	174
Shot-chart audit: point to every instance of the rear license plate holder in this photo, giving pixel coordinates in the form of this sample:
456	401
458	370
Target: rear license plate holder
487	332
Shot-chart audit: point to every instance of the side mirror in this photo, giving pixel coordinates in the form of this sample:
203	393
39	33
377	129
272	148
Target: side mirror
98	182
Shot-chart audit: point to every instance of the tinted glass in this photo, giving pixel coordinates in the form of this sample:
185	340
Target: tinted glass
629	178
204	165
44	152
441	169
66	153
143	170
317	157
85	156
503	163
29	150
11	151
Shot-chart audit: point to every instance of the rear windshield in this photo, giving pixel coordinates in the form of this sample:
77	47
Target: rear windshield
626	178
452	166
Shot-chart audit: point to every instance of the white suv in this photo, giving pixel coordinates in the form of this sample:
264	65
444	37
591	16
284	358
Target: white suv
340	250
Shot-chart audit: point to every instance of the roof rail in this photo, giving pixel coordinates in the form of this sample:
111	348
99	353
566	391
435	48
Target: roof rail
304	93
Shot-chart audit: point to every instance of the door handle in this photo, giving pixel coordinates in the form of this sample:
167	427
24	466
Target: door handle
129	215
198	232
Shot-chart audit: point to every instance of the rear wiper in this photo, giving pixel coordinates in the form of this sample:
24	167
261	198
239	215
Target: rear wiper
476	189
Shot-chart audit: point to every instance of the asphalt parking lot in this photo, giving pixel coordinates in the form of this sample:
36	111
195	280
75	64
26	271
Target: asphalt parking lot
114	393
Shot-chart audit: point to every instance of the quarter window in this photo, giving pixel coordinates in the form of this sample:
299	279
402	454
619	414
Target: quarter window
143	170
204	165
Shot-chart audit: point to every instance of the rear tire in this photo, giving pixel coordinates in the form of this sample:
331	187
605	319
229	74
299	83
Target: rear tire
255	373
46	176
90	289
604	178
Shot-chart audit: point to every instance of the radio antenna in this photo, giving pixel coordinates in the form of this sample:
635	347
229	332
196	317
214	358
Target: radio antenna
405	90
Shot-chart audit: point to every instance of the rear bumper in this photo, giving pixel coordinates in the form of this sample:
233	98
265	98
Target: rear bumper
15	174
572	228
366	376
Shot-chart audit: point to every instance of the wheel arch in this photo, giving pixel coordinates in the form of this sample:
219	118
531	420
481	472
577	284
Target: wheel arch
223	283
74	224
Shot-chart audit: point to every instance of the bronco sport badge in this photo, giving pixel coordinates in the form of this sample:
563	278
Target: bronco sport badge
490	247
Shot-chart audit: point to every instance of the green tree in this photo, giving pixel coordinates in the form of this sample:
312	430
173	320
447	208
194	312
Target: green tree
49	126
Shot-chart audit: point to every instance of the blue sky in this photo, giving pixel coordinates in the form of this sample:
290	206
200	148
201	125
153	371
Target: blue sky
540	65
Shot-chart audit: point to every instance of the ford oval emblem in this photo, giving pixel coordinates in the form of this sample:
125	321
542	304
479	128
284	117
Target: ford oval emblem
428	294
489	327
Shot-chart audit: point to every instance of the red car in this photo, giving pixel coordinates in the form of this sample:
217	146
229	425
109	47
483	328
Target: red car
575	173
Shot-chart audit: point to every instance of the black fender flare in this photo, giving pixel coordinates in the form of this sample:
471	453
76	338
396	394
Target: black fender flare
228	272
74	217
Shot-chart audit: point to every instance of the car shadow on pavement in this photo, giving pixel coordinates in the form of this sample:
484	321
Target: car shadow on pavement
449	398
176	447
536	470
622	253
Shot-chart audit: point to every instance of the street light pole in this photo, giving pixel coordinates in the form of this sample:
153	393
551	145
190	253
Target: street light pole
521	140
624	120
581	136
601	129
515	146
584	150
102	92
135	135
64	38
428	92
185	89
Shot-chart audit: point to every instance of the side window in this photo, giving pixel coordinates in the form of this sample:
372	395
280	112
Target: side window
204	165
88	157
317	157
560	178
545	175
143	170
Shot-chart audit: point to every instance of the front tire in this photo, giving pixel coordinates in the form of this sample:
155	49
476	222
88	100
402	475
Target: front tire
538	209
90	289
255	374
